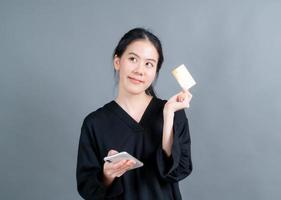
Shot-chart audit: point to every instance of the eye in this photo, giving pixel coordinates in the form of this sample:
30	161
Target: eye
133	59
149	65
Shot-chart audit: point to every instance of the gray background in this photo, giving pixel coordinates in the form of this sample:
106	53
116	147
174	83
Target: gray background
56	67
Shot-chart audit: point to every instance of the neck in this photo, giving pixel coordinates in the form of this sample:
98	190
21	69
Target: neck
132	101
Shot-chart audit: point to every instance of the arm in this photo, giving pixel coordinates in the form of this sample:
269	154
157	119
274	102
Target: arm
167	139
89	173
174	156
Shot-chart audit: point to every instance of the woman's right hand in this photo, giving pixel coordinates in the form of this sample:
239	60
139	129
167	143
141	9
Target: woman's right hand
113	170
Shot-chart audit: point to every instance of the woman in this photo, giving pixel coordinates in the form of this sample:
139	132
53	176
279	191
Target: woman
154	131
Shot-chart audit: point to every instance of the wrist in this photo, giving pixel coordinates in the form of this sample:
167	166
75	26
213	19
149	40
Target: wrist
107	181
168	112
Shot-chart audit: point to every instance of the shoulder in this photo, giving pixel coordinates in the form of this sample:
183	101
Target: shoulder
159	102
99	114
180	115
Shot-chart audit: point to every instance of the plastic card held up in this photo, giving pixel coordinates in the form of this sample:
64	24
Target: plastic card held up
183	77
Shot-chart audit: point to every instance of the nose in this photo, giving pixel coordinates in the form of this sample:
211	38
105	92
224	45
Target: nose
139	70
138	73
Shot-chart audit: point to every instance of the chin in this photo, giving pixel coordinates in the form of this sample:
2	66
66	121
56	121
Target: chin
135	91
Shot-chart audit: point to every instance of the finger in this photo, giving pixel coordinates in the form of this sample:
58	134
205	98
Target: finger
112	152
120	173
129	165
186	93
114	171
119	165
112	167
181	97
178	94
186	96
186	102
126	165
109	165
174	98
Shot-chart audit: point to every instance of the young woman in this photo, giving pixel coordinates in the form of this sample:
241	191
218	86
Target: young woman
154	131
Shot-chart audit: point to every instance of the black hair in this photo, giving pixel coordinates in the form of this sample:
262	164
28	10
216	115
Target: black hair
141	34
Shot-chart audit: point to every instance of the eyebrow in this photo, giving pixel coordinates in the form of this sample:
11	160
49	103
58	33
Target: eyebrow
145	59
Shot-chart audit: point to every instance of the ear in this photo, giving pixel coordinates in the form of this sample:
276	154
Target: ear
116	63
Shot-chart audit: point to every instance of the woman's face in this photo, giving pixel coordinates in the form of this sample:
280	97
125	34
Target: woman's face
137	66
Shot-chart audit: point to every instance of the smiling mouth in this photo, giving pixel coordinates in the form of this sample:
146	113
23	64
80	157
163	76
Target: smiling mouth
135	80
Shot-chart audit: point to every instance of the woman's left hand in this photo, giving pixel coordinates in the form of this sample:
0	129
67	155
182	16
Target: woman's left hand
178	102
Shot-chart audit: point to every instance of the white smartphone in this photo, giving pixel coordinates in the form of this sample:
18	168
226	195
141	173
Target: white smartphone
123	156
183	77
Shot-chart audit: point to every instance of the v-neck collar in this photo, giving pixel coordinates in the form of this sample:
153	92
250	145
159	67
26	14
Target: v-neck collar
128	119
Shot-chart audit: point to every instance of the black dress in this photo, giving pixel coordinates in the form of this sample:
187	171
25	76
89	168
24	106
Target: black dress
111	127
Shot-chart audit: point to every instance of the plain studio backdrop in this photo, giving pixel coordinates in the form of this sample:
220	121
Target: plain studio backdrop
56	67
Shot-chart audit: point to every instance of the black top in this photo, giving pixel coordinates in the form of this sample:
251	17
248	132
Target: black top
111	127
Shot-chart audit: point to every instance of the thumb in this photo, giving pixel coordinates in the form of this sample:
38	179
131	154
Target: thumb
112	152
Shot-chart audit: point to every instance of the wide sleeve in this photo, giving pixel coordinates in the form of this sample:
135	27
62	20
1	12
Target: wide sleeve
179	164
89	169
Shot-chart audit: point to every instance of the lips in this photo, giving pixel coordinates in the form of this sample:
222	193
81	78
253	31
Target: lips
135	79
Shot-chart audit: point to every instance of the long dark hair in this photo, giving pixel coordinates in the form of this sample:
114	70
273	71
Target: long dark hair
138	34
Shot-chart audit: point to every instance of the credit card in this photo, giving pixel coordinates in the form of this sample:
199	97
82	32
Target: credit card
183	77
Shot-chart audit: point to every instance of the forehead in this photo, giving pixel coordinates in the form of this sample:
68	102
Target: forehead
143	48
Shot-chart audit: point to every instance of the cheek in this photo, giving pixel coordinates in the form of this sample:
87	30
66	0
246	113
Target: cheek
123	69
151	76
